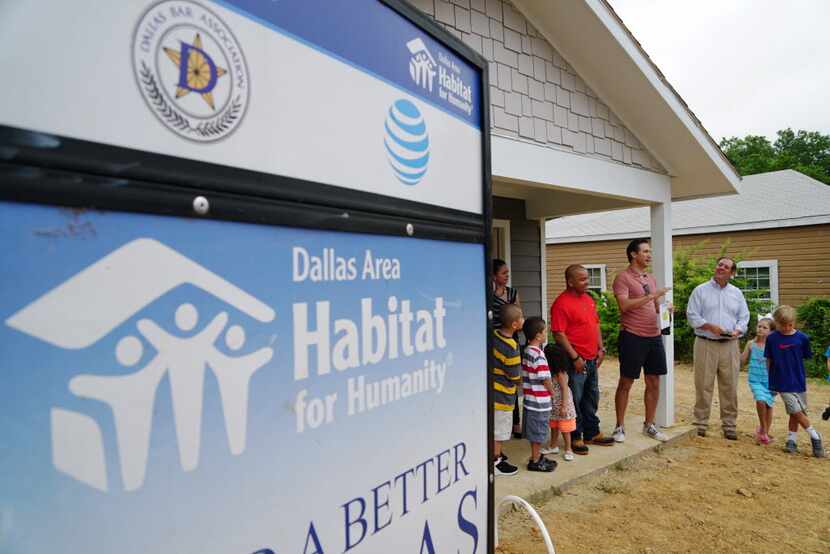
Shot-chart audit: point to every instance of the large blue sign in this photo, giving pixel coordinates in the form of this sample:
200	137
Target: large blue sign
172	385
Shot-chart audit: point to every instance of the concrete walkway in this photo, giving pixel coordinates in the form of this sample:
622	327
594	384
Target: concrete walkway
536	487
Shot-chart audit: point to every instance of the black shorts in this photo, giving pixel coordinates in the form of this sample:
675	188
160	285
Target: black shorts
638	352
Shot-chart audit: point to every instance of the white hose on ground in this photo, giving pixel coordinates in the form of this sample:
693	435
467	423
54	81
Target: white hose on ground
530	510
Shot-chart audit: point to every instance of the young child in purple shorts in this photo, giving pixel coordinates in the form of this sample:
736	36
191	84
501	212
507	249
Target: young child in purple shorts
785	351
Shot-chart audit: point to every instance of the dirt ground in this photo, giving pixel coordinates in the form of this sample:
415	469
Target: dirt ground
698	495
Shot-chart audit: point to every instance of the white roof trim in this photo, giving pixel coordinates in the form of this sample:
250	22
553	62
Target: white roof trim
777	224
592	38
528	162
624	37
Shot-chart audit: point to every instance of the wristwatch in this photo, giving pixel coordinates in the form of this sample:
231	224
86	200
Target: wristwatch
575	359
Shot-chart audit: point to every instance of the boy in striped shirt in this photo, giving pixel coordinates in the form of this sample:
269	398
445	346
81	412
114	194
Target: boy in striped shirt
506	365
537	388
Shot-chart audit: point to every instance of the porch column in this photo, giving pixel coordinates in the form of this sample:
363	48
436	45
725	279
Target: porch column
661	263
543	259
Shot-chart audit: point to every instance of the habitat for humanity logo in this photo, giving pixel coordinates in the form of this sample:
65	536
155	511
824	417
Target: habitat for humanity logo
451	85
406	141
88	306
190	69
421	65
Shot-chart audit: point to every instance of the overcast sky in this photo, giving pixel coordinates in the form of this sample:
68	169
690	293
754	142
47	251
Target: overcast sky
743	66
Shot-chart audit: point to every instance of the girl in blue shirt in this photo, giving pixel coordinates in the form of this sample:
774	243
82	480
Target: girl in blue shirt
759	378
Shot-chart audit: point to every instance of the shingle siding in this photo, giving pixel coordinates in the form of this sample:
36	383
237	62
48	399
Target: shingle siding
525	253
525	64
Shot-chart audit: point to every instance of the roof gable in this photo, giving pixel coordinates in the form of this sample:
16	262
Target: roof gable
596	42
535	94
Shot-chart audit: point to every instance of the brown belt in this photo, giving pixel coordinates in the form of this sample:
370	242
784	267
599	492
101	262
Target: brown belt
713	340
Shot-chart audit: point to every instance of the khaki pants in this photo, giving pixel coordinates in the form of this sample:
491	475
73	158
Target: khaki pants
721	360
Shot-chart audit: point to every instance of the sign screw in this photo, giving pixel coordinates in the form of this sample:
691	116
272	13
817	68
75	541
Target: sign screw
410	229
201	205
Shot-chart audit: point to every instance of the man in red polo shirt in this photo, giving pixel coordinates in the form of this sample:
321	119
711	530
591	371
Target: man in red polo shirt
641	343
575	325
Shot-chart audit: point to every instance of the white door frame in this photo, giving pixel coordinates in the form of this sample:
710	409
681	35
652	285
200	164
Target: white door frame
504	225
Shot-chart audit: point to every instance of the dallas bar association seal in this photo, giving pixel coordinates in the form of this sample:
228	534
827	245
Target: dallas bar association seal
190	70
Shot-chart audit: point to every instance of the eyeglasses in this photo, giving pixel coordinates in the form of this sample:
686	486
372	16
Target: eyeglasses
646	288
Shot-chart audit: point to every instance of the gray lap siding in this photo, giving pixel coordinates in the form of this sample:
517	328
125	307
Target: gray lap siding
525	253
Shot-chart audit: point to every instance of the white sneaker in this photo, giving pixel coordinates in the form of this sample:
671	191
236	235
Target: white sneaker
548	450
568	455
652	431
619	434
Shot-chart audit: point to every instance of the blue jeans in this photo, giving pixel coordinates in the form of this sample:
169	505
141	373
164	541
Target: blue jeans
585	390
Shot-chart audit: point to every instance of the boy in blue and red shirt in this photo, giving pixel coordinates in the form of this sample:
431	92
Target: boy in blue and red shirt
785	351
537	389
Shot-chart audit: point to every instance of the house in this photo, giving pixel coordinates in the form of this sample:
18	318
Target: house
779	225
581	121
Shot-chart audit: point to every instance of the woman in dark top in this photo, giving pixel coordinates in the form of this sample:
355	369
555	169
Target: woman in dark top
502	294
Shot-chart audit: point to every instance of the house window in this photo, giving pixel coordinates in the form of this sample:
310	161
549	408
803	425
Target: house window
760	280
596	277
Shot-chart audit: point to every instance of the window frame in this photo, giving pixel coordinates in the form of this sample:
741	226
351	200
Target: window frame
603	272
772	265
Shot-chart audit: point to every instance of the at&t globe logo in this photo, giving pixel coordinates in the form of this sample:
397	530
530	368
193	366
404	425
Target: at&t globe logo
407	142
190	70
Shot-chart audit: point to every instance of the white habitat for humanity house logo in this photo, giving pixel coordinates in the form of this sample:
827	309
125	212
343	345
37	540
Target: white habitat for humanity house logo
90	305
452	86
421	64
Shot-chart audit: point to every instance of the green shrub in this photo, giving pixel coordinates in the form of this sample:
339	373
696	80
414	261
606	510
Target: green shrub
609	320
690	269
814	319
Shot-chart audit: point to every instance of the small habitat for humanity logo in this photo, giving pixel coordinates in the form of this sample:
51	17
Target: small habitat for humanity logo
90	305
190	70
406	141
421	64
451	85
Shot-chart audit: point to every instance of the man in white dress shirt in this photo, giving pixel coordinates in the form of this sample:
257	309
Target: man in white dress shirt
718	313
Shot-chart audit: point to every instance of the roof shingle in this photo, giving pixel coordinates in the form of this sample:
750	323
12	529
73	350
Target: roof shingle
766	200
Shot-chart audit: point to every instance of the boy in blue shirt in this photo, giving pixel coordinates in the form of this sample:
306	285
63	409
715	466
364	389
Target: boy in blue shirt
785	351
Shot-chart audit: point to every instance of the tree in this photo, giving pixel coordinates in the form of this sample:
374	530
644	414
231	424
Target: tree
750	155
807	152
